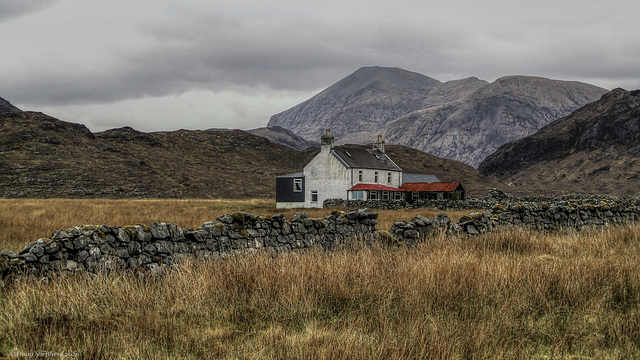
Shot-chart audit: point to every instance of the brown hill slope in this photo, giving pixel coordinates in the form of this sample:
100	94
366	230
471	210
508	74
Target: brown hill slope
41	156
417	162
596	149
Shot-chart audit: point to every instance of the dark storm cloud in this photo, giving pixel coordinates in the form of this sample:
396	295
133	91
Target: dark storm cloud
218	54
81	53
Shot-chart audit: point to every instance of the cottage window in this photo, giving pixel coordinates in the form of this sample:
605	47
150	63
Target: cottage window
357	195
359	175
385	195
314	196
373	195
297	185
398	195
389	178
376	177
415	196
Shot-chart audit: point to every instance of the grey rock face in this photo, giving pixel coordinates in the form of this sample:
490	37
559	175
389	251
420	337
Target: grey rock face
464	120
358	104
6	107
473	128
597	145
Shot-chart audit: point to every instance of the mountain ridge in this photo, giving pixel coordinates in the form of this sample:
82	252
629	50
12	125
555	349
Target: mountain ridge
282	136
384	93
595	149
464	119
6	107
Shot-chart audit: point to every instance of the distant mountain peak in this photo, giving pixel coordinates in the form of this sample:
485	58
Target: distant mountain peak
281	136
6	107
464	119
358	104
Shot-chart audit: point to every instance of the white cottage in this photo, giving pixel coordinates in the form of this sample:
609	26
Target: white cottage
340	172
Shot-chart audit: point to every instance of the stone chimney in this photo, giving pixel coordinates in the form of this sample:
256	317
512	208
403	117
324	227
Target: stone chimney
379	144
326	141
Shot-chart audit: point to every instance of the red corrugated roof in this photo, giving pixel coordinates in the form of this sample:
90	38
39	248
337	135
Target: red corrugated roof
431	187
373	187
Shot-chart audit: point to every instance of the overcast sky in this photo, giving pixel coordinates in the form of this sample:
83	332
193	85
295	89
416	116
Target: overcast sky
198	64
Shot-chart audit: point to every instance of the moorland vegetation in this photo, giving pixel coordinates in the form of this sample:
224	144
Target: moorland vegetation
502	295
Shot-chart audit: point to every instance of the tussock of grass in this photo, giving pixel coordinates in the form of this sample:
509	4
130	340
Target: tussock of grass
505	295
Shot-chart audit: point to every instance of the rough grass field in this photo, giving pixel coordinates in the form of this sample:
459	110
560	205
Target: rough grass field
505	295
25	220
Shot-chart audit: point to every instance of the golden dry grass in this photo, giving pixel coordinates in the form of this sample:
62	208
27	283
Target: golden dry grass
506	295
25	220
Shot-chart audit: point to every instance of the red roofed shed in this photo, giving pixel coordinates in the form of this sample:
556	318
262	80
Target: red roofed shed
434	190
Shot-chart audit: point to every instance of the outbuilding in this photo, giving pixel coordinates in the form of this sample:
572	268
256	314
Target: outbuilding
433	191
355	173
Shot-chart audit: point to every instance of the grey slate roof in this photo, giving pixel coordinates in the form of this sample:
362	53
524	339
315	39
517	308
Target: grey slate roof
364	158
418	178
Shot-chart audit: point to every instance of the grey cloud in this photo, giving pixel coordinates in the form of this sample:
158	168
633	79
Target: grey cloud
14	8
223	56
224	49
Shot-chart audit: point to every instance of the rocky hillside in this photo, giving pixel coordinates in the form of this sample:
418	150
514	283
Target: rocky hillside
596	149
358	106
465	119
6	107
41	156
508	109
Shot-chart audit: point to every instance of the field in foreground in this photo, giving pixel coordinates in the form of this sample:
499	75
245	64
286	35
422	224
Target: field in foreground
503	295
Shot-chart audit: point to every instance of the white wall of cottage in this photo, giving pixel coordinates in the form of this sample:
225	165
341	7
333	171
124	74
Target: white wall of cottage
326	175
368	177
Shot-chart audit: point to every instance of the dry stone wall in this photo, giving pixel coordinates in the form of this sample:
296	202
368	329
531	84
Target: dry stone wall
544	217
153	247
487	202
159	245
